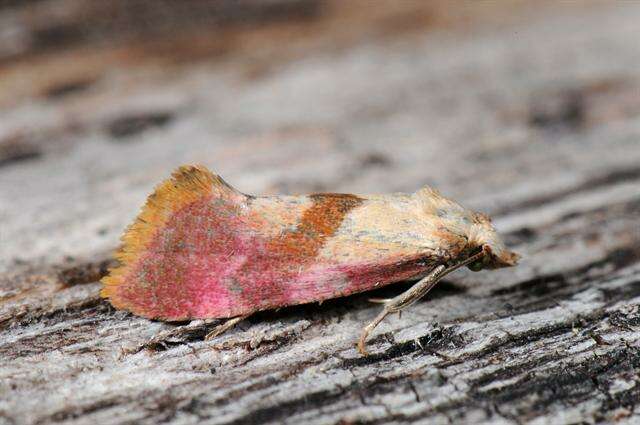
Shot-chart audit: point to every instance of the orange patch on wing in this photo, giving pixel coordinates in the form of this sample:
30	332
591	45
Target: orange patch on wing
319	222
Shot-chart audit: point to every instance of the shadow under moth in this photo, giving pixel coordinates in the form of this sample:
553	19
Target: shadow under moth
200	249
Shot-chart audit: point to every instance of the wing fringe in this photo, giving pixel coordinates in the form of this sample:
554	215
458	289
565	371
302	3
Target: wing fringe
187	184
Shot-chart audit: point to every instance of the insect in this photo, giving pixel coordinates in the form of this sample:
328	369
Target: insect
201	249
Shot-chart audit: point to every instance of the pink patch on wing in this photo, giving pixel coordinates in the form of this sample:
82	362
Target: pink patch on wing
326	281
185	271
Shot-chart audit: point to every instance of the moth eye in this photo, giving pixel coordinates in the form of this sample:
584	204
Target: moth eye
476	266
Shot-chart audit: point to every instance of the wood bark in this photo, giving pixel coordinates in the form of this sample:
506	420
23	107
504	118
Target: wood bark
531	116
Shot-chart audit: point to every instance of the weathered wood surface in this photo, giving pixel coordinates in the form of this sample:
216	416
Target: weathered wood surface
533	118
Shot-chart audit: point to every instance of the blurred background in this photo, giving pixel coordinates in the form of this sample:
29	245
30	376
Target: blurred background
504	105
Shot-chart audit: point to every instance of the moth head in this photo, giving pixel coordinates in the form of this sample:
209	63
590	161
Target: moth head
483	236
476	227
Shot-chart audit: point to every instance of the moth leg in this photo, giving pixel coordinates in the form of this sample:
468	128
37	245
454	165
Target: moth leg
379	300
219	330
403	300
412	295
367	330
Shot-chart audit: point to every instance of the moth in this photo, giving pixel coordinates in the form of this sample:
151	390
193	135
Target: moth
200	249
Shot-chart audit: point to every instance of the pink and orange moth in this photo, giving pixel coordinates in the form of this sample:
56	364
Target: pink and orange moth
200	249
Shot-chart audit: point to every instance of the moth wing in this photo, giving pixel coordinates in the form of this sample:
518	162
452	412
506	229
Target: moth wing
355	261
147	280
